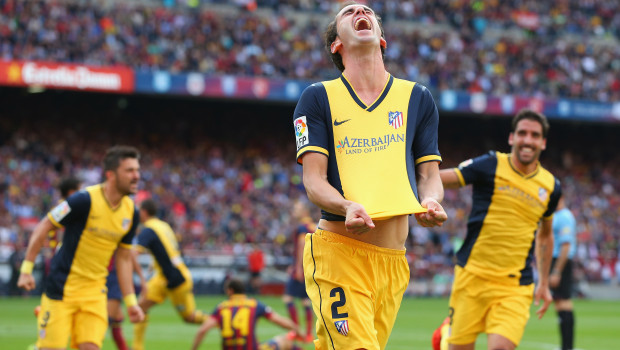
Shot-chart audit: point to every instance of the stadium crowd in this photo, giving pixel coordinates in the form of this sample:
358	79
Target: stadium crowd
552	49
223	188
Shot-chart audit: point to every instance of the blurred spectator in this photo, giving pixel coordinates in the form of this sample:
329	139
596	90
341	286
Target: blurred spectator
256	264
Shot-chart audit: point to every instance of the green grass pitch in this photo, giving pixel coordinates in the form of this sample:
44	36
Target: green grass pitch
597	326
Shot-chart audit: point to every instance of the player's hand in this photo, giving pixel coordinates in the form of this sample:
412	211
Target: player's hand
298	274
542	292
554	280
26	281
434	216
357	220
135	314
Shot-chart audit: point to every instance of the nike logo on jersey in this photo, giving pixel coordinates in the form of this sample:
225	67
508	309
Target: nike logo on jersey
336	122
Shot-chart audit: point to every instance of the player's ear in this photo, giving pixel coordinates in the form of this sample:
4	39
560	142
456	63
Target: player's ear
510	139
335	46
544	145
383	43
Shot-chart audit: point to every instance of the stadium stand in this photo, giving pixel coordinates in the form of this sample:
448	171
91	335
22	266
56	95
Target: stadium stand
497	47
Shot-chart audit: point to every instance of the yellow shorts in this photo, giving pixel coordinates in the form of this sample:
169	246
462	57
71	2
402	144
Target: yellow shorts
182	297
85	321
356	290
480	305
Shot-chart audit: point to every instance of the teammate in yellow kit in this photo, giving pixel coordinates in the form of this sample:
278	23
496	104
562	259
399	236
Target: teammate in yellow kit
98	221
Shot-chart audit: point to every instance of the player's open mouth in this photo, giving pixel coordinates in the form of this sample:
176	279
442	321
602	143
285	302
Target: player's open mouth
362	23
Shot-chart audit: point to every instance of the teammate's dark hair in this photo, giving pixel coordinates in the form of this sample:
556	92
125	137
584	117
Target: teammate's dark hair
116	154
531	115
236	285
332	32
149	206
67	185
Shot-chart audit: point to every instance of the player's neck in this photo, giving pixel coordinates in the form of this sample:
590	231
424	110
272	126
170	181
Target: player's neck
367	76
526	169
112	196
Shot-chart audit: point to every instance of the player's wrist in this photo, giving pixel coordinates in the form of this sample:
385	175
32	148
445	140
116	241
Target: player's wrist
130	300
27	267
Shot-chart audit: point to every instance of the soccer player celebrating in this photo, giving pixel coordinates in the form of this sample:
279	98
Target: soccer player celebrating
368	145
171	278
237	317
98	221
494	283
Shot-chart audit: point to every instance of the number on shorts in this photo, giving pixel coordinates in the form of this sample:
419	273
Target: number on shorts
45	318
341	301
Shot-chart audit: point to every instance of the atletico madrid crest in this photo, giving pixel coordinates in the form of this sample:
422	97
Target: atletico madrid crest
395	119
342	327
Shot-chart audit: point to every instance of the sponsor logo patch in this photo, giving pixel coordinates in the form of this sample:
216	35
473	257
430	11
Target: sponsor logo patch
301	132
60	211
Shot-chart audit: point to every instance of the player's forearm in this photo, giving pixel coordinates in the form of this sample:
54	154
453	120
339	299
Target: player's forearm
449	178
560	262
136	266
124	271
325	196
429	182
544	254
37	238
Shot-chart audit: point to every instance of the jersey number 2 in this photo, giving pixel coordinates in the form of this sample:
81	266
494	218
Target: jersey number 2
342	299
240	321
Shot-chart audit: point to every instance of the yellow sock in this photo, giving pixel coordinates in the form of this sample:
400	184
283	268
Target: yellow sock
139	329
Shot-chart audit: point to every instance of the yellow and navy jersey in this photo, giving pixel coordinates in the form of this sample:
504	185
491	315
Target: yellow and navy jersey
237	319
93	231
372	150
159	238
506	211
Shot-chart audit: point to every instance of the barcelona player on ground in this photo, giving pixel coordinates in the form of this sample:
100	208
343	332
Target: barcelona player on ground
296	286
514	199
368	144
236	318
98	221
171	278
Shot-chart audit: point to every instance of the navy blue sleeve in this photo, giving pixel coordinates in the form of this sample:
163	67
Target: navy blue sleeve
478	169
310	121
146	237
128	237
554	199
75	208
425	142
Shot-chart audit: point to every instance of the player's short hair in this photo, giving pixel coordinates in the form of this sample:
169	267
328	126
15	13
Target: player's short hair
531	115
67	185
332	32
116	154
149	206
236	285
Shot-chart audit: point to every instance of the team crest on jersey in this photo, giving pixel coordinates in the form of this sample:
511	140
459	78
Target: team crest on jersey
60	211
301	131
342	327
543	194
395	119
126	223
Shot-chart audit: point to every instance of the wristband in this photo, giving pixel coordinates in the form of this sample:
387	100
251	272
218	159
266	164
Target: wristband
130	300
27	267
